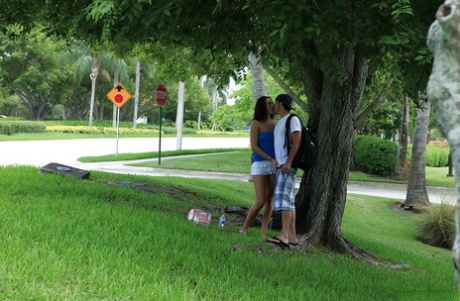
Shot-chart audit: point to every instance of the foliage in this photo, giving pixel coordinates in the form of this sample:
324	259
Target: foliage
29	68
436	224
435	155
11	127
12	106
385	121
97	130
375	155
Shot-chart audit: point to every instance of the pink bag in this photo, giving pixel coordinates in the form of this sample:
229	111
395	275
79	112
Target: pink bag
199	216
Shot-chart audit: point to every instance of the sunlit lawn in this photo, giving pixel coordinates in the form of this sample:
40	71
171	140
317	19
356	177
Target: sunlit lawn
100	239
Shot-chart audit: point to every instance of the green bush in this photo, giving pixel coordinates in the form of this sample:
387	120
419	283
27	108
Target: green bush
374	155
435	155
14	127
436	225
172	131
98	130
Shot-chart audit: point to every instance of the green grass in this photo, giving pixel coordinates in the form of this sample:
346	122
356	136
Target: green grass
71	239
150	155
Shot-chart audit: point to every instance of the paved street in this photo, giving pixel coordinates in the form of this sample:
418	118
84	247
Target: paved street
66	152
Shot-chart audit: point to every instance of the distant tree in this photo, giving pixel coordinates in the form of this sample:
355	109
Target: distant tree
29	68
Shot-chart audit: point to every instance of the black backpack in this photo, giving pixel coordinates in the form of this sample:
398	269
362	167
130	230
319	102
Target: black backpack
307	155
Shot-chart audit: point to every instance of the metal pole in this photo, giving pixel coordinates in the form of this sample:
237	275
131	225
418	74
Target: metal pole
118	126
159	140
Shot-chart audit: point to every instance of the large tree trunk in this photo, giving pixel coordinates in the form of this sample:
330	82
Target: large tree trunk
322	194
417	196
443	90
401	171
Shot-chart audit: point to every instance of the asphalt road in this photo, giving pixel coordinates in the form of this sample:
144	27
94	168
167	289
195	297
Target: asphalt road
66	152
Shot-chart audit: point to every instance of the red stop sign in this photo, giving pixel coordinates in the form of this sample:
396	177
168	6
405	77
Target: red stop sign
161	95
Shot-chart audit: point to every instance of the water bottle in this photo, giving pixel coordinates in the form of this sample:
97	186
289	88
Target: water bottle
222	222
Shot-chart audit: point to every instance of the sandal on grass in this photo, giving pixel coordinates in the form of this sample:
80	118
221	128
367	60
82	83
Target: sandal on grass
276	241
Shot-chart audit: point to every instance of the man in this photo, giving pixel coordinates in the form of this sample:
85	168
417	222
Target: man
284	199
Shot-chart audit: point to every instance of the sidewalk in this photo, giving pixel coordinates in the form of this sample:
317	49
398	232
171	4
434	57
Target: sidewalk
396	191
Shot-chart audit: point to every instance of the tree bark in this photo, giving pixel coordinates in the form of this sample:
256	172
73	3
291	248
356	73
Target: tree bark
93	76
401	171
417	196
443	90
323	190
258	82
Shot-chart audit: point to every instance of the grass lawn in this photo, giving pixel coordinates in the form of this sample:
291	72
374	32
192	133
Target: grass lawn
101	239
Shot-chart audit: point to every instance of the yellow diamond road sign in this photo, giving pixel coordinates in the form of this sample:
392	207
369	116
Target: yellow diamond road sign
119	95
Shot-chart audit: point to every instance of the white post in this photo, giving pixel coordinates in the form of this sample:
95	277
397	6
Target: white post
180	115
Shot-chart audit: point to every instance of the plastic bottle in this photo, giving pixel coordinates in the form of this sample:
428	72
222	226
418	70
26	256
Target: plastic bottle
222	222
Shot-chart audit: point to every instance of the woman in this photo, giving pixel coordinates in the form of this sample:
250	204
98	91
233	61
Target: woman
264	164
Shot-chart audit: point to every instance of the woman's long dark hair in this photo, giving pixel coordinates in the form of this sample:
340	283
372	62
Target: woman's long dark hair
260	110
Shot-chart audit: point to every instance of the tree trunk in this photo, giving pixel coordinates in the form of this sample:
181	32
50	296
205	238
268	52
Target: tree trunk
93	76
401	171
443	90
136	94
322	194
258	82
417	195
116	80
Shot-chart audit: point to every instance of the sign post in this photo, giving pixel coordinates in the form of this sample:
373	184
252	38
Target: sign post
161	96
119	96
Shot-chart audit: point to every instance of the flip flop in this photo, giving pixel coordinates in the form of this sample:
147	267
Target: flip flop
294	244
276	241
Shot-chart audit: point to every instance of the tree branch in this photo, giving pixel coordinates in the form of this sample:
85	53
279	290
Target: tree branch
285	87
362	118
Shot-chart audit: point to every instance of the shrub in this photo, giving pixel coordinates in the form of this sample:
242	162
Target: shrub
99	130
435	155
15	127
436	226
375	155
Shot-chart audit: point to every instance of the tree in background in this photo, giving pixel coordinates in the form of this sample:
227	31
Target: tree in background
29	68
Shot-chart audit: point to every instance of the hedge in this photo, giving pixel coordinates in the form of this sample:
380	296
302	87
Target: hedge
375	155
15	126
435	155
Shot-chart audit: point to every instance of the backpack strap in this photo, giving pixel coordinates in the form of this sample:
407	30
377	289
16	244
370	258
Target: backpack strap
288	131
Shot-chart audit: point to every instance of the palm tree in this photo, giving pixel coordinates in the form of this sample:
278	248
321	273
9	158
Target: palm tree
417	195
257	70
95	62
